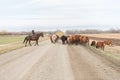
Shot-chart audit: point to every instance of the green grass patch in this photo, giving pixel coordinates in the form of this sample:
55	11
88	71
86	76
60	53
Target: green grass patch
108	55
11	48
10	43
11	39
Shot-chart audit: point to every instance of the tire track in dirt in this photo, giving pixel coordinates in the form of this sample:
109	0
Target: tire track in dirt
87	66
54	66
20	53
16	69
82	70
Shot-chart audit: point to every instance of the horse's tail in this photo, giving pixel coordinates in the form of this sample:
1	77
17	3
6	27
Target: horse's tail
24	40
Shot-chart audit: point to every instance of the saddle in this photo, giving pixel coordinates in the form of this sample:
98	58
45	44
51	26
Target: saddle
34	36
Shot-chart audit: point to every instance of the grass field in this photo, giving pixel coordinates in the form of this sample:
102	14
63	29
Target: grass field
111	52
115	49
10	39
9	43
111	35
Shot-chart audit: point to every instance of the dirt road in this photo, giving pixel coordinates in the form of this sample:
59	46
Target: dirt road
56	62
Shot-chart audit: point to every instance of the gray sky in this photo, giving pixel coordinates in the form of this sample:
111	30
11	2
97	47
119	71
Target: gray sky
25	15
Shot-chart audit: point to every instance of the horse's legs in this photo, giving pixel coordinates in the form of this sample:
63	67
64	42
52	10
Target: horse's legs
26	42
37	43
30	43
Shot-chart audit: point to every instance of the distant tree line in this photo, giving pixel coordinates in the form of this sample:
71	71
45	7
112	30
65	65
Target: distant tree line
92	31
14	33
87	31
24	33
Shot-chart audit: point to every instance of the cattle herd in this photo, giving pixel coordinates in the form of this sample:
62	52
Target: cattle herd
79	39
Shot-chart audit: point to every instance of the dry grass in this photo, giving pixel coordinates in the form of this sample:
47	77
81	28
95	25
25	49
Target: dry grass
113	36
114	50
12	46
8	39
114	58
112	53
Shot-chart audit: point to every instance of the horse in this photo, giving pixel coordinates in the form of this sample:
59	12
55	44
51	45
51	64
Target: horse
32	38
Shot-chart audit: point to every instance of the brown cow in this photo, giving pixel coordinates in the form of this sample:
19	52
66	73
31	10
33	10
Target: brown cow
108	42
51	38
93	43
76	39
84	39
100	45
69	39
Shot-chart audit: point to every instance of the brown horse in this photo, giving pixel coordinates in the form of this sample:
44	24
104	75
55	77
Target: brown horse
31	38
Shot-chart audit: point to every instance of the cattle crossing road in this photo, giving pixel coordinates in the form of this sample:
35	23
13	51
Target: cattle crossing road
55	62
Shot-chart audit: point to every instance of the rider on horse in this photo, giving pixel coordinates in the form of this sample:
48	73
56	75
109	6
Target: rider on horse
33	34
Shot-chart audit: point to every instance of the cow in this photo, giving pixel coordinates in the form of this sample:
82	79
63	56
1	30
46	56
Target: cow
84	39
54	38
69	39
51	38
108	42
100	45
64	39
76	39
93	43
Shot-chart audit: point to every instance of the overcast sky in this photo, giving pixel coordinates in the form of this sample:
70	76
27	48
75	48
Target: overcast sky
25	15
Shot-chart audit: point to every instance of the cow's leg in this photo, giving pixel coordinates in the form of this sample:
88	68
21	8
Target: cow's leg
51	41
63	42
88	43
76	43
103	48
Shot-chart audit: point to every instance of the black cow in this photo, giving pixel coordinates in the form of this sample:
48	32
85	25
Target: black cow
64	39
